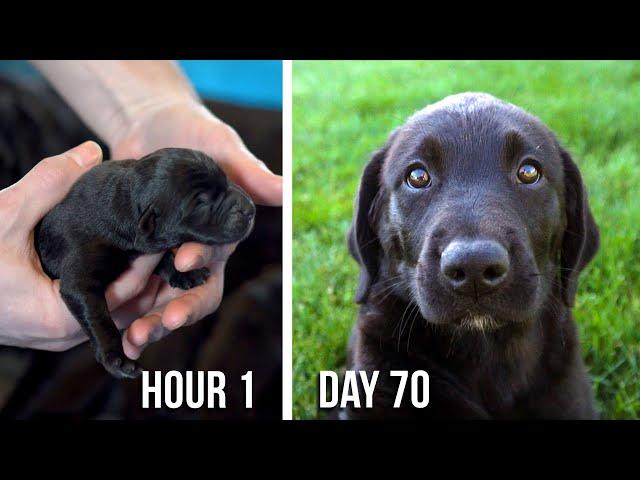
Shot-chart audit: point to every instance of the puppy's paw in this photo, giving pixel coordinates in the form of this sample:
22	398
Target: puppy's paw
118	365
187	280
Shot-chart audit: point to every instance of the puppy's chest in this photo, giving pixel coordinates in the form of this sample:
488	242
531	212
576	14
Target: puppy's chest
498	389
497	384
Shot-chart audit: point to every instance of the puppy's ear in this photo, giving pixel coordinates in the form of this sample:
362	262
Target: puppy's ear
363	241
147	221
581	238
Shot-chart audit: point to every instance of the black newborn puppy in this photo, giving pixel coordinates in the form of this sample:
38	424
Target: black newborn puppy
122	209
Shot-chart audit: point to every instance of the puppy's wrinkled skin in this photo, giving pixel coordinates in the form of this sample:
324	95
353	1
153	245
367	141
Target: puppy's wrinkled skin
471	275
122	209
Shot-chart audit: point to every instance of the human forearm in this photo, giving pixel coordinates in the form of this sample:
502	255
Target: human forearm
111	96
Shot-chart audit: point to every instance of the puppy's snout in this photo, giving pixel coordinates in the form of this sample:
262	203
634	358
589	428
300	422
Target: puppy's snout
474	267
247	209
238	204
239	213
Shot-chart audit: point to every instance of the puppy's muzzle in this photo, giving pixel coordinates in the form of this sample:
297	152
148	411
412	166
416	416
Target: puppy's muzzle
474	267
239	212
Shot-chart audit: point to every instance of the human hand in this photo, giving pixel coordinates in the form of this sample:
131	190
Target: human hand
186	123
32	313
138	107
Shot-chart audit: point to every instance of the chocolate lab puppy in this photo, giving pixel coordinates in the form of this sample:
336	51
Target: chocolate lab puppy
471	227
122	209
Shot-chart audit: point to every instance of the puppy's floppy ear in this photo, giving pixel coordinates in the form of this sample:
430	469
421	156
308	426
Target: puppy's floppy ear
581	238
147	221
364	244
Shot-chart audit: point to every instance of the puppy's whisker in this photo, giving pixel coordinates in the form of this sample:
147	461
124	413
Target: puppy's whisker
403	324
416	314
452	341
389	286
390	279
390	291
367	243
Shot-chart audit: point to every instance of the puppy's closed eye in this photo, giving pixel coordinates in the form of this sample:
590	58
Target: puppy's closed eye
147	221
202	200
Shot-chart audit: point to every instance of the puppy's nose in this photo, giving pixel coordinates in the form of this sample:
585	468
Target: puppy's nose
248	209
474	267
238	204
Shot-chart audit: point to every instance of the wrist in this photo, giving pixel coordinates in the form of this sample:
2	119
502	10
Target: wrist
112	96
144	126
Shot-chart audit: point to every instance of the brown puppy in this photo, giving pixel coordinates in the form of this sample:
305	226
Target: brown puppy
471	227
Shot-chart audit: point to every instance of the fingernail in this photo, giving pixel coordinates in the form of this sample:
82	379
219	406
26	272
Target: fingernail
87	154
197	263
178	324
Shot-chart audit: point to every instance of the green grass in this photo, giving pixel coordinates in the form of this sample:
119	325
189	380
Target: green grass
344	110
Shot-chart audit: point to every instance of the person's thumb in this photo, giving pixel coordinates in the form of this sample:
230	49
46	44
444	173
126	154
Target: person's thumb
243	168
49	181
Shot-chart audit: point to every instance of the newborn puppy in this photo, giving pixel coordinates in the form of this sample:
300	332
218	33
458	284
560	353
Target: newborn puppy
471	228
122	209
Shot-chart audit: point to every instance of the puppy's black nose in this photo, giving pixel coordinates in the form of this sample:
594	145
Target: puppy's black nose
474	267
239	204
248	209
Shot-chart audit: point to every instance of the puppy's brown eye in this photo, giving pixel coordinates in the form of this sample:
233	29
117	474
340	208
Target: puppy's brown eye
418	178
528	173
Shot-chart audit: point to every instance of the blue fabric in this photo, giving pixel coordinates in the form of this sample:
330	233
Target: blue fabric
18	69
254	83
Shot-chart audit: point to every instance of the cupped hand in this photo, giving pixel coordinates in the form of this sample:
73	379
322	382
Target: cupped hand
186	123
32	313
